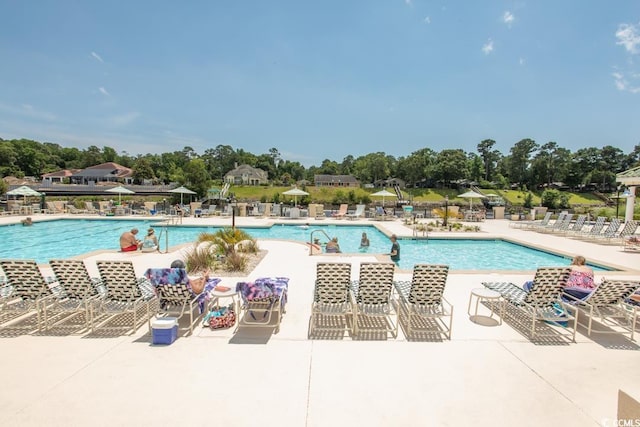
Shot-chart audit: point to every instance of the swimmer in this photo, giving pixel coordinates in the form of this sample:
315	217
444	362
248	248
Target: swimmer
364	241
27	221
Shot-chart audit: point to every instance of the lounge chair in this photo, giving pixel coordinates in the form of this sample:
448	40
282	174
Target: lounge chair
176	295
608	232
560	226
549	225
628	230
595	229
73	210
263	300
26	288
373	293
90	208
531	224
607	303
150	208
79	291
359	212
422	299
631	243
380	214
576	226
543	302
342	211
332	298
126	294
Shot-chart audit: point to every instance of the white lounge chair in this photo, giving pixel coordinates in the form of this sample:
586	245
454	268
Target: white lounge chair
359	212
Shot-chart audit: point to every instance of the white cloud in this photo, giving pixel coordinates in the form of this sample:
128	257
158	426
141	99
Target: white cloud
521	61
427	20
623	84
628	36
408	2
487	48
96	56
104	91
508	18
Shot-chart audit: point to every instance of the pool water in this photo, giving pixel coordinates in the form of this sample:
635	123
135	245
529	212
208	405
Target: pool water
68	238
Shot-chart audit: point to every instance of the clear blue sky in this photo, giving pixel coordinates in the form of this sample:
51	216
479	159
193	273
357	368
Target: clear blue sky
320	79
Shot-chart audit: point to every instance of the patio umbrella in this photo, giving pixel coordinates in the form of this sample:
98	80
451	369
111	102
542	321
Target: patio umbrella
472	195
383	194
182	190
295	192
24	191
120	190
213	192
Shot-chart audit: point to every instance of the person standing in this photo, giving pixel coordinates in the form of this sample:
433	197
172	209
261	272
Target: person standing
395	249
364	241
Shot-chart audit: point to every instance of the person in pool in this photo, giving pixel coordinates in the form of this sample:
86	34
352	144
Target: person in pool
128	241
395	249
364	241
332	246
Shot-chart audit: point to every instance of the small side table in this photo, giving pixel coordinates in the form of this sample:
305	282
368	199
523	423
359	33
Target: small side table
494	300
231	293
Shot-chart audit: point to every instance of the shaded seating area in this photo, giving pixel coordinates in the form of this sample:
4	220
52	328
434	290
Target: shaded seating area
375	314
607	304
333	305
176	295
424	311
543	304
263	302
126	295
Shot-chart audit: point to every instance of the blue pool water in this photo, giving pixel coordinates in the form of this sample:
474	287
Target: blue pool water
67	238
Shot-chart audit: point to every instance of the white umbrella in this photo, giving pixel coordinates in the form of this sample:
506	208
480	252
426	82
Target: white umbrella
120	190
383	194
182	190
472	195
295	192
24	191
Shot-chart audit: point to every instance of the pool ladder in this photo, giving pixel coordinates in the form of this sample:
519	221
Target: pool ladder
311	239
164	231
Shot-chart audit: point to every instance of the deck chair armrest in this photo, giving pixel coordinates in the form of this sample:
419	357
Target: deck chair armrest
446	302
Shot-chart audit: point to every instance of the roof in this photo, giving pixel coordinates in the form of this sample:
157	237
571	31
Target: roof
61	173
629	177
334	178
109	169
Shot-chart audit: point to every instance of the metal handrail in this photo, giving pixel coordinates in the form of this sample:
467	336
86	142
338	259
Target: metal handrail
311	239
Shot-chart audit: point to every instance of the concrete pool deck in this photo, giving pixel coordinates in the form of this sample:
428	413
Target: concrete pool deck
486	375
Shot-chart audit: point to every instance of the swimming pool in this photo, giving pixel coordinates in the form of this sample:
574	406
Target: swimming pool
64	238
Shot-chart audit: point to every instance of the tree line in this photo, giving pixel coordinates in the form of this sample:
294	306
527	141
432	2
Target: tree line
527	165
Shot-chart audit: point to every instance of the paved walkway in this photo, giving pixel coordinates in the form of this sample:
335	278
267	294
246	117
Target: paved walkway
484	376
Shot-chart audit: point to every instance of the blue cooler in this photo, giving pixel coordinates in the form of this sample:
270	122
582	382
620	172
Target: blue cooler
164	330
